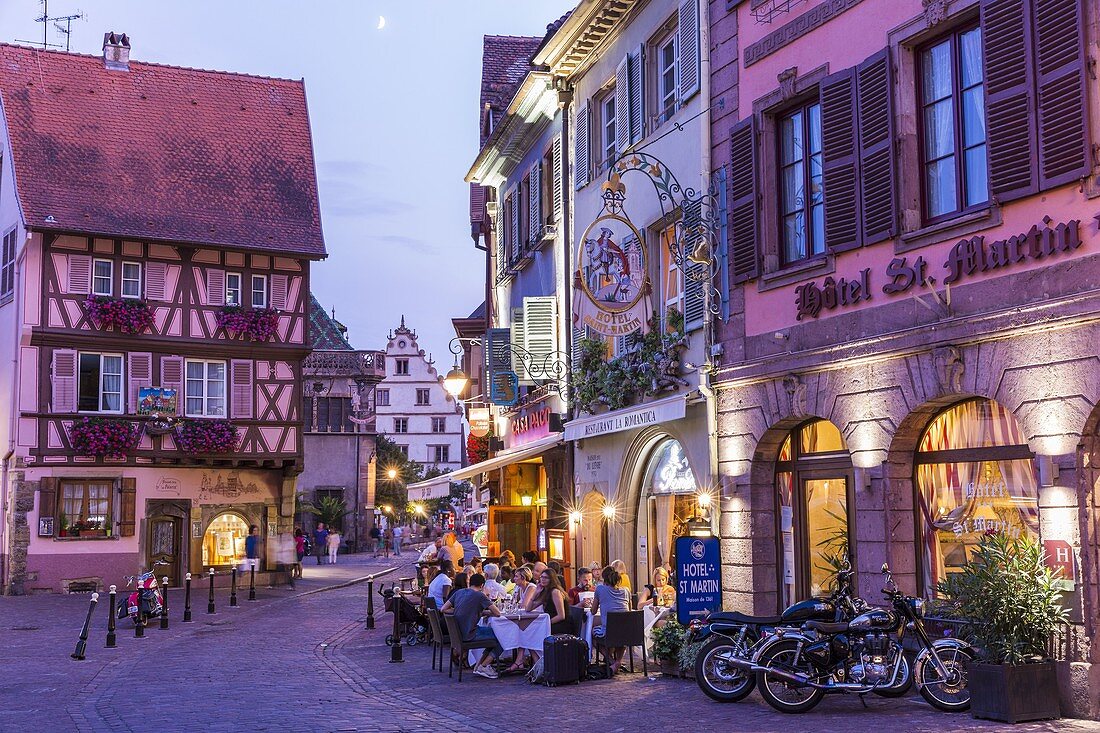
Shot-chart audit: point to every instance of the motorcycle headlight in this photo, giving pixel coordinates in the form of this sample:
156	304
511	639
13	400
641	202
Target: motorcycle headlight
917	604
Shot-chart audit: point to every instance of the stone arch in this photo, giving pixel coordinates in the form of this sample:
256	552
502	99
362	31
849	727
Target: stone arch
592	539
1088	496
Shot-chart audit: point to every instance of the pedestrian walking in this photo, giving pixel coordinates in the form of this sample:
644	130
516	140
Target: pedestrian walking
398	534
286	555
376	540
299	551
252	549
320	538
387	540
333	542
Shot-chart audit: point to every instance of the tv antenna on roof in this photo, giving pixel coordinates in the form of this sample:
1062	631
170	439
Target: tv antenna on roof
58	20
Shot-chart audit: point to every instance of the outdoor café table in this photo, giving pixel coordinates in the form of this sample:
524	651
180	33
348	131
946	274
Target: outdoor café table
525	630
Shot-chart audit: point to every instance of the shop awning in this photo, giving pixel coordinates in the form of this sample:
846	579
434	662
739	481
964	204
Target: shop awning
440	486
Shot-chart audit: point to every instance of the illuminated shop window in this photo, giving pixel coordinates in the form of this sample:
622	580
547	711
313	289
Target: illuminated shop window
223	543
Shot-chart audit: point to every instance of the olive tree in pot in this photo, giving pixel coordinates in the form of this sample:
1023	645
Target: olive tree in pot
1011	603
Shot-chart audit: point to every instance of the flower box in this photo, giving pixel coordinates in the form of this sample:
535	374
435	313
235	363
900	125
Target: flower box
207	436
126	315
104	437
258	324
1014	693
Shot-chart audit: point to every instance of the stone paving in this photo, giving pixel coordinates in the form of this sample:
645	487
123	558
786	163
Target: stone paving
303	661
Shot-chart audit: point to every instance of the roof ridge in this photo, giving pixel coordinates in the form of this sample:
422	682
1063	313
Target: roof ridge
513	38
156	64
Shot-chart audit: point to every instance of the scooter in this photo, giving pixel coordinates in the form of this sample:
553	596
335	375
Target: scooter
146	601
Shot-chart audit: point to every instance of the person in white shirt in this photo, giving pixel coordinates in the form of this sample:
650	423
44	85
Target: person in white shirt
398	533
441	584
492	585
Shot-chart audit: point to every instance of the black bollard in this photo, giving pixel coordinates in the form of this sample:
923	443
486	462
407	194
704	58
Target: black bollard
164	602
210	603
395	650
251	582
111	619
233	587
139	623
82	643
370	602
187	598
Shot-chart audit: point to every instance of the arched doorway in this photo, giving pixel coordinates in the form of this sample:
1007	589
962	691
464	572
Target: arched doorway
974	474
670	493
813	510
593	530
223	541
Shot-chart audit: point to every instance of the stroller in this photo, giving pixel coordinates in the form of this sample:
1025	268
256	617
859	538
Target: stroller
411	620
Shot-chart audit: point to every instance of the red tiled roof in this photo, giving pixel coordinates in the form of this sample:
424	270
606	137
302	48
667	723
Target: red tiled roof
161	152
505	60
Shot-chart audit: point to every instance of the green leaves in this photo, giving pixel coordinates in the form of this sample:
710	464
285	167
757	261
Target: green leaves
1009	597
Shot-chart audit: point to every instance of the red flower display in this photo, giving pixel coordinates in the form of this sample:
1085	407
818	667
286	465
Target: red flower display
477	449
104	437
207	436
259	324
128	315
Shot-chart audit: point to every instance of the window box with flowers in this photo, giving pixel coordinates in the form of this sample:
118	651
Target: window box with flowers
207	436
258	324
126	315
104	437
87	528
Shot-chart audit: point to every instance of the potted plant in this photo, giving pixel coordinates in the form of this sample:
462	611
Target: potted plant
86	528
104	437
63	525
127	315
1011	603
667	642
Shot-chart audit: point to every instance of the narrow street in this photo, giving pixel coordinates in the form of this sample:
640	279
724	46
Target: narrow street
303	661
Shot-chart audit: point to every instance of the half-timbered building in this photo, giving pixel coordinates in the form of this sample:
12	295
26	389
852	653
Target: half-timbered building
158	226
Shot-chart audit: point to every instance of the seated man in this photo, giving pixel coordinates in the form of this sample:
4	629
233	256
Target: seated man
493	588
468	606
584	585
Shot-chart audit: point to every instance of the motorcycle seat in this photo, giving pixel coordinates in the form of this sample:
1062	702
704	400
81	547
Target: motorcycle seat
826	627
741	618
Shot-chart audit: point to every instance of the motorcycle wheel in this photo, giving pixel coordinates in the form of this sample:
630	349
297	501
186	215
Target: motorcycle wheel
785	696
902	687
951	695
718	679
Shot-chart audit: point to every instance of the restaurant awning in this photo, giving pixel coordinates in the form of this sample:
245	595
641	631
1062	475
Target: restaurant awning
440	486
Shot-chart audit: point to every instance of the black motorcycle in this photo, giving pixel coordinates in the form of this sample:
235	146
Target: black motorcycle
723	665
796	668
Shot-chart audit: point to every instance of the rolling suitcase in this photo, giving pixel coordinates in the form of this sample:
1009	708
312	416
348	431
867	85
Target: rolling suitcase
565	659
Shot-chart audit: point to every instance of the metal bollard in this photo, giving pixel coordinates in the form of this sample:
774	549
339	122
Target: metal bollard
82	644
370	602
139	622
111	619
233	587
164	602
187	598
251	582
395	650
210	603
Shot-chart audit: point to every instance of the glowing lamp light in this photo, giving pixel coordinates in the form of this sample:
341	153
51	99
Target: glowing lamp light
704	499
455	382
392	473
526	499
575	517
608	511
387	508
418	508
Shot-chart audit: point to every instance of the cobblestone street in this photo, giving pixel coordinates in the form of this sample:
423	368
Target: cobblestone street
303	661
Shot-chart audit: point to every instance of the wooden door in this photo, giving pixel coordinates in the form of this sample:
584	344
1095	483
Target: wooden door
164	545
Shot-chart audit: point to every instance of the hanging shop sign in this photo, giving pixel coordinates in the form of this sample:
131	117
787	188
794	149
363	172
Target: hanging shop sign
968	257
533	423
698	577
611	289
651	413
481	422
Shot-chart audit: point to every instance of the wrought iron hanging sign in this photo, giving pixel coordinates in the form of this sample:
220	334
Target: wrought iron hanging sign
611	288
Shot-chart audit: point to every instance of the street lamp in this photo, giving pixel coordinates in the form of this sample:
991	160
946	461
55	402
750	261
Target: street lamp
551	367
456	380
391	474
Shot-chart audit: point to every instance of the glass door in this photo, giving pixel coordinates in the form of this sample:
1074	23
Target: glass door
825	512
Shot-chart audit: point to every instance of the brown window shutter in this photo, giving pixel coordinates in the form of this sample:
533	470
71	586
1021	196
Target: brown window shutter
140	375
80	274
744	250
241	387
171	377
156	276
64	385
127	507
47	503
1060	63
839	161
1009	98
876	148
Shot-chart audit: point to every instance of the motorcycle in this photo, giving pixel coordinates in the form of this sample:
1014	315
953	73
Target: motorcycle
796	668
146	601
731	639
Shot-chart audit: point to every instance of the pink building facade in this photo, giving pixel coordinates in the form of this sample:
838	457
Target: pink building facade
910	359
163	435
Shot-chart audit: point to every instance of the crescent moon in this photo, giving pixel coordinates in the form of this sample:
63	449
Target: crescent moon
381	22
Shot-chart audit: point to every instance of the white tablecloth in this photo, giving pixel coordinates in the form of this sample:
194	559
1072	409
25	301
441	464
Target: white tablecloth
511	636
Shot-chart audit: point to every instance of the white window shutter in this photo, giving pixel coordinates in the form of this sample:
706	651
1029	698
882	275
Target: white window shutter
581	135
80	274
279	284
575	356
156	277
622	106
557	178
498	232
139	376
518	340
637	95
63	397
540	321
534	198
687	41
514	213
171	377
215	287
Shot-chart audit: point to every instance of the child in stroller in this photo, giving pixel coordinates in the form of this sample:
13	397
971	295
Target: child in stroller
412	622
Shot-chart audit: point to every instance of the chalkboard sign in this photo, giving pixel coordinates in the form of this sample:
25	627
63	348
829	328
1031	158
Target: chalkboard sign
698	577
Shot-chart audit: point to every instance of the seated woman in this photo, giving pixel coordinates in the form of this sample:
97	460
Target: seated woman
660	593
440	587
525	590
624	578
610	597
549	598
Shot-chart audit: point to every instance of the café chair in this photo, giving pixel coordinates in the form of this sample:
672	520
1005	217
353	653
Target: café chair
439	638
623	628
460	647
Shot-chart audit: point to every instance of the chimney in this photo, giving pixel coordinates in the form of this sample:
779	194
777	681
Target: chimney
116	51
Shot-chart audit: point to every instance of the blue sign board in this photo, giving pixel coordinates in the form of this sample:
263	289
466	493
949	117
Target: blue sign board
698	577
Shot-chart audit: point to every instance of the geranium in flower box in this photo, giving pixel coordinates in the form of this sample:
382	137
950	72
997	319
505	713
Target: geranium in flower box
258	324
207	436
104	437
126	315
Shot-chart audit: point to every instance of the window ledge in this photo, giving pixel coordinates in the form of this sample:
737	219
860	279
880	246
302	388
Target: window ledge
86	539
956	228
797	272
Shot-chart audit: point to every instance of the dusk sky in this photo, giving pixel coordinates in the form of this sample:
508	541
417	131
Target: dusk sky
391	148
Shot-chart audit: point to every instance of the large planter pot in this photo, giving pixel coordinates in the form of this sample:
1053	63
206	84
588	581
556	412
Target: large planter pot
1014	693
